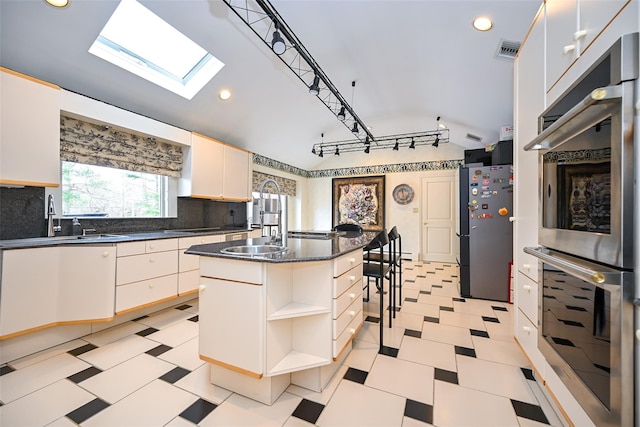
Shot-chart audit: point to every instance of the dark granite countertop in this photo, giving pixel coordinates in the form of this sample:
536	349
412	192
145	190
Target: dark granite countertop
113	238
297	249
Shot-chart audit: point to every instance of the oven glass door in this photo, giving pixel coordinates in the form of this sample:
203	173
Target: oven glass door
576	323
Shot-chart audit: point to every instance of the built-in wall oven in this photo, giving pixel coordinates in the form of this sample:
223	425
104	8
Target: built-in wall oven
587	236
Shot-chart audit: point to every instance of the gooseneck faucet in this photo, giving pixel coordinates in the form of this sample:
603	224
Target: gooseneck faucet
278	238
51	211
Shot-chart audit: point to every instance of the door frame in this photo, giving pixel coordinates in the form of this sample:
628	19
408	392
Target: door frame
454	177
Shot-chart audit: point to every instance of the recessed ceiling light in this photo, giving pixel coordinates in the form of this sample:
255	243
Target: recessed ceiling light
224	94
58	3
482	23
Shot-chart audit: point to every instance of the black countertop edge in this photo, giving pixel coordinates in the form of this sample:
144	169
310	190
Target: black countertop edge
298	249
36	242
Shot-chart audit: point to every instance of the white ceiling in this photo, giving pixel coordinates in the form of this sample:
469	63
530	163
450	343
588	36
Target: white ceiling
412	61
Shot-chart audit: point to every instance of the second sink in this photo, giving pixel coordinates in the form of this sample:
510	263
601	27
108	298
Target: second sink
254	250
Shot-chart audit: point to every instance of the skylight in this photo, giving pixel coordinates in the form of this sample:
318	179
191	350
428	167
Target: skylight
140	42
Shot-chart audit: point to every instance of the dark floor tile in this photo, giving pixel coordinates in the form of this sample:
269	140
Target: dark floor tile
575	308
580	297
491	319
83	349
87	410
460	300
308	410
147	331
84	374
431	319
412	333
425	292
437	286
183	307
356	375
418	411
529	411
409	280
602	367
198	410
549	296
479	333
429	272
411	299
444	375
562	341
499	308
528	374
372	319
140	318
388	351
422	276
447	281
465	351
194	318
157	351
571	323
443	308
5	370
175	374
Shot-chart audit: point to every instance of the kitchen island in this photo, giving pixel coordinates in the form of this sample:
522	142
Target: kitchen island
279	319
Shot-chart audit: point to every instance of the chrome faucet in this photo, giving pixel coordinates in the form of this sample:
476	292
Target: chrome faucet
51	211
280	235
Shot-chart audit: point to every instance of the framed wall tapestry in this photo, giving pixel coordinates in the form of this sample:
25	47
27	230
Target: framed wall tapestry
359	200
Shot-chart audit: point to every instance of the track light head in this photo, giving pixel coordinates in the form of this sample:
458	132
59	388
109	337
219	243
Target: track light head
397	146
337	153
320	155
314	89
366	150
341	114
355	128
367	141
413	144
436	142
313	150
277	43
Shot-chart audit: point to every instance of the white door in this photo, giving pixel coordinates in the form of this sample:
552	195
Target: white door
439	218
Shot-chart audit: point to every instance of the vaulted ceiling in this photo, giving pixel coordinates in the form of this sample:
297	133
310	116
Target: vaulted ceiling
412	61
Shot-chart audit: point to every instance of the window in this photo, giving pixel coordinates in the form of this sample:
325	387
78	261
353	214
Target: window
140	42
89	190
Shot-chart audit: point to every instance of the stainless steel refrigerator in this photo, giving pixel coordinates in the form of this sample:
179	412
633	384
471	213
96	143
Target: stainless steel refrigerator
486	242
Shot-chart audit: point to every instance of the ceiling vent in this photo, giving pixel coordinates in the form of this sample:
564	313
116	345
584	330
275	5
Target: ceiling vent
507	50
474	137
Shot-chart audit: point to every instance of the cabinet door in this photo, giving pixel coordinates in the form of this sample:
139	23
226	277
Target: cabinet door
237	174
29	292
240	308
594	17
207	162
529	104
562	23
30	131
87	283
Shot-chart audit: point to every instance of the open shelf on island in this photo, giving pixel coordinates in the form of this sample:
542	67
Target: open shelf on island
296	309
296	361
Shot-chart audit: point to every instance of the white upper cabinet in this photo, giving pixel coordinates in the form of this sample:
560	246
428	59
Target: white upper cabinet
29	131
215	170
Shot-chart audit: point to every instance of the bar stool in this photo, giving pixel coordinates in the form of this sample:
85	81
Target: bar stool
393	258
378	271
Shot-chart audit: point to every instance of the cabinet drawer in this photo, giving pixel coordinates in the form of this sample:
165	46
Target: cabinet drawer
345	281
161	245
343	301
188	281
355	309
346	262
231	269
141	267
187	242
131	248
527	295
348	333
187	262
145	292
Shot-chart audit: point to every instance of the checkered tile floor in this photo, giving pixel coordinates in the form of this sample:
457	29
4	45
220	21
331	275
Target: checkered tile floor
448	361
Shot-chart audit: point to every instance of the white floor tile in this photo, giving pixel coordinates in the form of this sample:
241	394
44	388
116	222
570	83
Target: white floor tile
362	355
421	309
179	422
471	306
165	318
34	377
198	382
408	321
296	422
23	362
62	422
459	406
176	334
410	422
481	375
110	335
438	300
500	331
44	405
463	320
117	352
125	378
185	355
357	405
447	334
431	353
326	394
403	378
500	351
370	332
153	405
241	411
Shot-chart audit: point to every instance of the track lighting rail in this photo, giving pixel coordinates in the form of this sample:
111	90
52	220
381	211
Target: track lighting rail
264	20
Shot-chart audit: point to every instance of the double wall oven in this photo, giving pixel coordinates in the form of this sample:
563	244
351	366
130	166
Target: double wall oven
589	246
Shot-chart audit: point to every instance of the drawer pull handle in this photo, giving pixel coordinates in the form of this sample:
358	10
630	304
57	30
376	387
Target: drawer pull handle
352	295
152	246
203	287
526	288
352	278
569	48
150	285
527	329
352	331
151	260
526	266
352	260
352	313
105	254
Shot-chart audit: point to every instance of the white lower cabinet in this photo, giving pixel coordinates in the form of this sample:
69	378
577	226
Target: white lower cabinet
188	274
70	284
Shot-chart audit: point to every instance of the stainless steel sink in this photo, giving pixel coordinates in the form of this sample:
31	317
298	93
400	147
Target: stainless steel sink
100	236
254	250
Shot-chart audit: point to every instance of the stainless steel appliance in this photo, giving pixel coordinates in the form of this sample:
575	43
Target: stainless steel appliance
589	244
486	233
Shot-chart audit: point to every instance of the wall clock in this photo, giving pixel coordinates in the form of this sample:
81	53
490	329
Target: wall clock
403	194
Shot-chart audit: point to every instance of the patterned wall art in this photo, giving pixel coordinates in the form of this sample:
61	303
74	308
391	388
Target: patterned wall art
359	200
585	204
